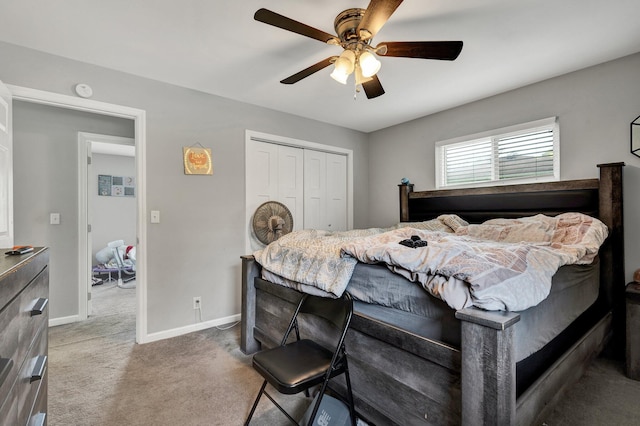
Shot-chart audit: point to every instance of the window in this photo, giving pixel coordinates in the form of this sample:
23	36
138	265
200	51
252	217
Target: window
518	154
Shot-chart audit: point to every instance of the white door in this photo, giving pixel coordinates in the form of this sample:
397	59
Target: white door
315	189
336	192
6	168
290	182
325	191
273	173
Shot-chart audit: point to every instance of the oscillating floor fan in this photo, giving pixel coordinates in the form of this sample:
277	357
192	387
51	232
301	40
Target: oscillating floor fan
271	220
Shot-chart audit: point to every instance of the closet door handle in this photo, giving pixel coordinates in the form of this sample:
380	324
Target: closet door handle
5	367
39	369
39	307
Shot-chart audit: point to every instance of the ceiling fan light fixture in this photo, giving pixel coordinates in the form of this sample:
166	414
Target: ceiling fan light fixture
339	77
360	77
343	66
369	64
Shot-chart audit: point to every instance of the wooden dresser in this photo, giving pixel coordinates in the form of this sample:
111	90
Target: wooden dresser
24	321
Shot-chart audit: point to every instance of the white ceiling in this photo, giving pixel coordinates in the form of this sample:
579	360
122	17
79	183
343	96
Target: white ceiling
216	46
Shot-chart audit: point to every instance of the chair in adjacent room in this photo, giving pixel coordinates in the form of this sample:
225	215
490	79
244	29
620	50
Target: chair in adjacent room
301	364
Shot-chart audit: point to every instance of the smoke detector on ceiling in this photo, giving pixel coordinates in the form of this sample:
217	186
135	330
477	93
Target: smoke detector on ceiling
84	90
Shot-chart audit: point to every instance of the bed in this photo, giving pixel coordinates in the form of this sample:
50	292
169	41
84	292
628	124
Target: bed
404	375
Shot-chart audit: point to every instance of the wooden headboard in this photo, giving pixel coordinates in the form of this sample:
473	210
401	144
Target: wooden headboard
601	198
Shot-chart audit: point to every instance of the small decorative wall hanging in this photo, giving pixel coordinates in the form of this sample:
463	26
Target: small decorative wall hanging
197	160
116	186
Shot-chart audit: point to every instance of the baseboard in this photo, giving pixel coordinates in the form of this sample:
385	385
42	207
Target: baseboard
161	335
63	320
175	332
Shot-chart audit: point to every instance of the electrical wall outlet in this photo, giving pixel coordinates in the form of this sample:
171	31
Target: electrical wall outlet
197	302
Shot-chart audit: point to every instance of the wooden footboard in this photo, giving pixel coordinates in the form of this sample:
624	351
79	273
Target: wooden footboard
404	379
383	360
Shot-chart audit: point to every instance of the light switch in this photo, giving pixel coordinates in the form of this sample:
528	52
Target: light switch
155	216
54	218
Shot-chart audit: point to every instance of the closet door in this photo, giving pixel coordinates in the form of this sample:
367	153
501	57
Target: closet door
336	192
315	189
290	182
325	191
274	173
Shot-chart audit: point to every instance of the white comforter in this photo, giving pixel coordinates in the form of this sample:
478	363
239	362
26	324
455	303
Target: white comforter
499	265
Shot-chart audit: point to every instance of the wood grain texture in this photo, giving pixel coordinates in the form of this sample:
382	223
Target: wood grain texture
633	331
488	375
250	270
539	399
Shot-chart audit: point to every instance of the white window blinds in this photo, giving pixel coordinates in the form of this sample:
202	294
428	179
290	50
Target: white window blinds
519	154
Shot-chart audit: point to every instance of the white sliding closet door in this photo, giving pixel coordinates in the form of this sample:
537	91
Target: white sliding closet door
325	191
314	181
274	173
290	182
336	192
315	189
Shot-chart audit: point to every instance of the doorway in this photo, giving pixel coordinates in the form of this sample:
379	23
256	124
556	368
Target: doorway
139	120
110	211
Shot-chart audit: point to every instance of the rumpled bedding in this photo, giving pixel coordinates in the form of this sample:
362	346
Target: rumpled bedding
312	257
502	264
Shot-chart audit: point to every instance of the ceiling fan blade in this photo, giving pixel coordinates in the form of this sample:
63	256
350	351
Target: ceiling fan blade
277	20
444	50
308	71
376	15
373	88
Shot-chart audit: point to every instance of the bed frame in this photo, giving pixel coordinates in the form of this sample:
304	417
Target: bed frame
401	378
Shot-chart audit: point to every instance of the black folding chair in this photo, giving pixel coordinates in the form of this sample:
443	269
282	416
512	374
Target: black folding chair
297	366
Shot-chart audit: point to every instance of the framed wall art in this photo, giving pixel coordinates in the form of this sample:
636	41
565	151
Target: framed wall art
197	160
116	186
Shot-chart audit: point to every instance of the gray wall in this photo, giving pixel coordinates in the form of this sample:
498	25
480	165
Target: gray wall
113	218
195	250
595	107
46	181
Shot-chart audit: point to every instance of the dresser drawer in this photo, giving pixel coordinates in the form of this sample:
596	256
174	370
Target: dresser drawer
24	327
9	361
32	375
35	296
11	284
9	411
39	412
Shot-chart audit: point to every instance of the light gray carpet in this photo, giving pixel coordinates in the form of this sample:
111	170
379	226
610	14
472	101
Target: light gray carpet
99	376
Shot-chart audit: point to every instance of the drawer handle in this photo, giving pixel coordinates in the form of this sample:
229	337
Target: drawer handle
39	368
39	419
5	368
39	307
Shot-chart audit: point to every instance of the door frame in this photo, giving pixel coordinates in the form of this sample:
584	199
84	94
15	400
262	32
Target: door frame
6	238
26	94
85	220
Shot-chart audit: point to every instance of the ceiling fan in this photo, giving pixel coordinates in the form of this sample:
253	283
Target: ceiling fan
355	28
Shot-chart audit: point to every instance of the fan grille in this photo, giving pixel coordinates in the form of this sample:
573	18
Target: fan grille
271	220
